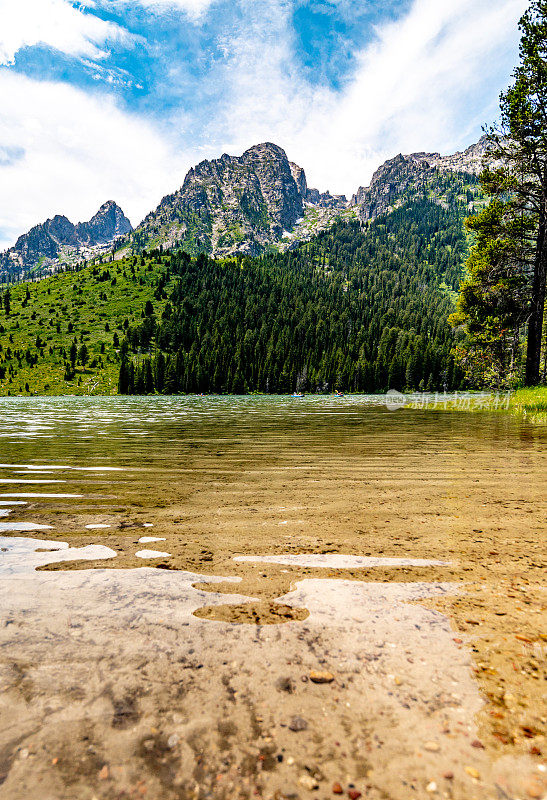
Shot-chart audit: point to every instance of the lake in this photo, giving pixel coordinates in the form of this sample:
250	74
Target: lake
231	597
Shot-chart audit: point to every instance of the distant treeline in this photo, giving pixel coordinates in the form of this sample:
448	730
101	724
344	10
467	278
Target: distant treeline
354	310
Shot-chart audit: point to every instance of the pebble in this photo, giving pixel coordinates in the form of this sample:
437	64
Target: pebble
285	685
354	794
23	753
173	741
308	782
474	773
449	776
431	787
433	747
337	789
318	676
478	744
104	773
298	724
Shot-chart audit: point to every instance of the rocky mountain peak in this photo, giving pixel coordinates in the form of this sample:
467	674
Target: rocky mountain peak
406	175
106	225
229	204
58	238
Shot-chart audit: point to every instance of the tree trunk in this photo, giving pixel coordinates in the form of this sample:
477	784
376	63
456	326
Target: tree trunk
537	306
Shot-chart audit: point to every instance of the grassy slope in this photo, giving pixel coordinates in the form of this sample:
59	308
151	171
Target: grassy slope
77	299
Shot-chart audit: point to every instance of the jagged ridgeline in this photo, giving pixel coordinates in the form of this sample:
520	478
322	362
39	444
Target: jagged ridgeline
355	298
356	310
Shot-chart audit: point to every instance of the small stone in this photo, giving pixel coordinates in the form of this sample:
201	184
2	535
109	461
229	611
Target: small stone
317	676
478	744
337	789
298	724
148	744
23	754
285	685
431	787
104	773
474	773
290	761
449	776
308	782
433	747
354	794
173	741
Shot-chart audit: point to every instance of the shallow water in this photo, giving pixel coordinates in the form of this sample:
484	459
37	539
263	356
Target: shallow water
322	523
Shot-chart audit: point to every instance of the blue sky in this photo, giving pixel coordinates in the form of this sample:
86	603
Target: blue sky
116	99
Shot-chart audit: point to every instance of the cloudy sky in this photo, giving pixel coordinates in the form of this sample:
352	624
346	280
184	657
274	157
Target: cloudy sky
116	99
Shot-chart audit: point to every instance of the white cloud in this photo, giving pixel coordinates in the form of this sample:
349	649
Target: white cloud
410	92
55	23
426	83
79	151
193	8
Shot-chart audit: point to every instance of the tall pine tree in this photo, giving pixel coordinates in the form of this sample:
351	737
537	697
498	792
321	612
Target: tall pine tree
505	287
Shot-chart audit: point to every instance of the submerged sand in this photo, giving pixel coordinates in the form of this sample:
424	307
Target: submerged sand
403	553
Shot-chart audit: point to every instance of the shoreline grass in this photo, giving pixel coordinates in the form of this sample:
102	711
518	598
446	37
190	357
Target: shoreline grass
528	403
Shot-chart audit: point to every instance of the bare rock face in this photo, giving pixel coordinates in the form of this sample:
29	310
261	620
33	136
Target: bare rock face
108	223
57	238
470	160
232	204
406	177
300	179
326	199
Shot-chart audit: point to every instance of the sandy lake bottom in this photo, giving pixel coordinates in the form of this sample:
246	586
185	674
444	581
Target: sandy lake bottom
346	600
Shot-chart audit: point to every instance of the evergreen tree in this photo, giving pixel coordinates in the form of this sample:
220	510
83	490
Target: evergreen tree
73	354
83	355
505	288
353	309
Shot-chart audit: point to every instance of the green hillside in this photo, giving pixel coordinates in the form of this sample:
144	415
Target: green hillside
49	318
356	309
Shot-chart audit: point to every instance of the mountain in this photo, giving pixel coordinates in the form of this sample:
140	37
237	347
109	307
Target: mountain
249	204
410	176
359	307
233	204
360	302
58	239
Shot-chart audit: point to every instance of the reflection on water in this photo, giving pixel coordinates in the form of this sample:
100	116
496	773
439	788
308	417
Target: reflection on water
339	561
22	526
151	554
20	556
148	539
